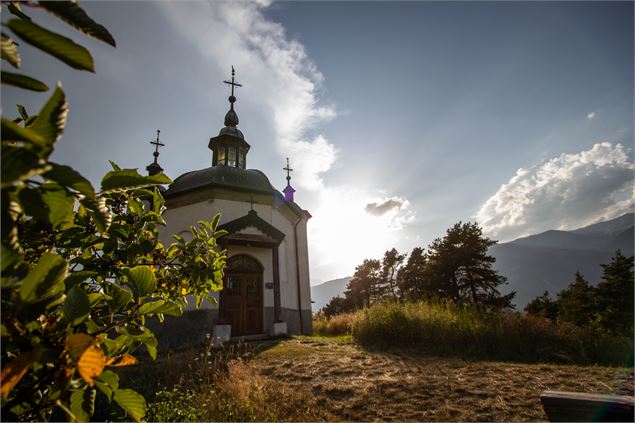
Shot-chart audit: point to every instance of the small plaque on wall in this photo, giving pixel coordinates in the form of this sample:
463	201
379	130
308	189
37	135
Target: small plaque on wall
269	285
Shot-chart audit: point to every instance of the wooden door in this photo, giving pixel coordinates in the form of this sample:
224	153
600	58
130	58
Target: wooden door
241	297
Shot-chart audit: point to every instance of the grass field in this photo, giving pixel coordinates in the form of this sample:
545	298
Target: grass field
351	383
334	379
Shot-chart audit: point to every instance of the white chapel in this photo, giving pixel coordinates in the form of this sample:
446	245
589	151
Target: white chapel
266	287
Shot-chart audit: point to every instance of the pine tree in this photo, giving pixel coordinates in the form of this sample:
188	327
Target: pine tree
576	304
459	267
411	278
615	295
362	289
543	306
337	305
389	266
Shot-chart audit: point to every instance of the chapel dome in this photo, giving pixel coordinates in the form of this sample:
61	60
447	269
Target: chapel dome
250	180
233	131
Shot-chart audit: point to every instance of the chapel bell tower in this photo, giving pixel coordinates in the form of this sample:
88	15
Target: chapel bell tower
229	148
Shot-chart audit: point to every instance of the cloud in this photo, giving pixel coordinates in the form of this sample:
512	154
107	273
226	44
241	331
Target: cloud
566	192
281	76
590	115
284	80
384	206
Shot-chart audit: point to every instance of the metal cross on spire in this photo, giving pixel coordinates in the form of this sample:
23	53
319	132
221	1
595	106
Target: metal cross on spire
289	170
157	144
233	84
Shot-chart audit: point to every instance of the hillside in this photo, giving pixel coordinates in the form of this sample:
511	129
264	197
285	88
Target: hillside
321	294
546	261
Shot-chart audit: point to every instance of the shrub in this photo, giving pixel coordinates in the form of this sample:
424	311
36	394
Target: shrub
82	269
337	325
447	329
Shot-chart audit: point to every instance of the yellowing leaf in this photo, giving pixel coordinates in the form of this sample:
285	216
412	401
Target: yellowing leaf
77	343
91	364
14	371
121	360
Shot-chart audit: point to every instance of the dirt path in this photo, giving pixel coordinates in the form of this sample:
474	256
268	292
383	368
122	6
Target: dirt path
359	385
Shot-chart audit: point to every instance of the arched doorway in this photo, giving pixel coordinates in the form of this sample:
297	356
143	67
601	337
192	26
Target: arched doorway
241	296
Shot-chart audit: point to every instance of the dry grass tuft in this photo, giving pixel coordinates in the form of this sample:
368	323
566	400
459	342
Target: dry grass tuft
448	329
337	325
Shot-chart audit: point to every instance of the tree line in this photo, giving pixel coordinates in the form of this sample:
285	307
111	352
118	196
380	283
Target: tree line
607	306
455	267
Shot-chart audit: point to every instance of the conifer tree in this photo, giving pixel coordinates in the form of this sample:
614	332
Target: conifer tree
363	288
576	304
389	267
615	295
411	278
543	306
459	267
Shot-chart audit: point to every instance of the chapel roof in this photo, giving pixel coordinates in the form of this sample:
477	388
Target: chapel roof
251	180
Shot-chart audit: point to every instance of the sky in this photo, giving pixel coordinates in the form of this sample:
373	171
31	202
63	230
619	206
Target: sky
399	118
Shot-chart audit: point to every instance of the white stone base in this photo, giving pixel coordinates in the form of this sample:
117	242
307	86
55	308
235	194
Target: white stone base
279	329
221	335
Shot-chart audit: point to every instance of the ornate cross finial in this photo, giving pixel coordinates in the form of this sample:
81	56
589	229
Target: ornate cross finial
157	144
233	84
289	170
154	168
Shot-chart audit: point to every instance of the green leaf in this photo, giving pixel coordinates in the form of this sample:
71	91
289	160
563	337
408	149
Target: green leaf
108	383
215	221
8	257
83	404
132	403
75	16
69	177
135	207
9	50
18	164
125	179
45	279
15	133
60	204
22	111
22	81
54	44
99	212
14	8
141	280
52	119
120	298
157	201
161	306
145	336
76	306
32	203
77	277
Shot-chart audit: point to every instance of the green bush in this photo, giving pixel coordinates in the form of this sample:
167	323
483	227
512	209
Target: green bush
82	269
447	329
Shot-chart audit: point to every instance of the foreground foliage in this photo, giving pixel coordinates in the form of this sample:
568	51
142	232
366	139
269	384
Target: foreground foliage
82	270
205	384
448	329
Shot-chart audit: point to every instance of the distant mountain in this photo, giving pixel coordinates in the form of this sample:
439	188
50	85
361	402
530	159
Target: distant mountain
321	294
548	261
538	263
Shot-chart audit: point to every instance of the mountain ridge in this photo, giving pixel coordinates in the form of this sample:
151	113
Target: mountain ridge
543	262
